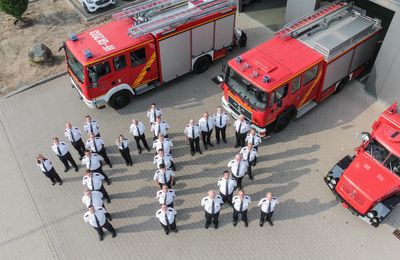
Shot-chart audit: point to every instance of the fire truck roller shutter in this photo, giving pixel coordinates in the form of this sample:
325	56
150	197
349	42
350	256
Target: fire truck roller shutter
119	96
337	70
223	32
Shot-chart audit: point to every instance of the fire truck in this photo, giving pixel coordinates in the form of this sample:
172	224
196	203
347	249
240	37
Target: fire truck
148	45
306	61
368	184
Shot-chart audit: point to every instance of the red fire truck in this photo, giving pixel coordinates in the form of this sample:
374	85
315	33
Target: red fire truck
308	60
368	184
148	45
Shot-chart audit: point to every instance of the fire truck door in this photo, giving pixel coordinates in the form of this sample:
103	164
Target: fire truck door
100	77
278	101
143	65
304	87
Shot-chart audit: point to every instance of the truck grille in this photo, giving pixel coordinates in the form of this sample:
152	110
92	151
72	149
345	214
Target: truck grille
100	2
238	109
353	193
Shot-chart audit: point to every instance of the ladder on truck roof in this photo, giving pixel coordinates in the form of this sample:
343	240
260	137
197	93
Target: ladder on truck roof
160	14
309	21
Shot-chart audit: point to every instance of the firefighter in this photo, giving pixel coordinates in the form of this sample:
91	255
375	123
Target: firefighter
91	126
137	130
250	155
159	127
220	121
241	129
153	113
123	148
206	125
192	132
253	138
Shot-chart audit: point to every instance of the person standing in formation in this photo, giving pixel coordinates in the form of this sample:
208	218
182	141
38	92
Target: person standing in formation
166	196
137	130
250	155
153	113
96	145
166	159
159	127
97	219
192	132
123	148
166	216
94	181
62	151
91	126
75	137
240	206
238	168
241	129
95	199
212	206
226	186
220	121
47	168
253	138
164	176
93	163
206	125
164	144
267	208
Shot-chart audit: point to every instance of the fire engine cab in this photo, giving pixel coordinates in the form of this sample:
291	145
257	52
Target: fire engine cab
147	45
305	62
368	184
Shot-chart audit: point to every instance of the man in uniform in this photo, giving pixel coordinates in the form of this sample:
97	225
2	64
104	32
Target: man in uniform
240	206
166	216
97	219
206	125
74	136
62	151
166	159
159	127
166	196
212	206
253	138
95	199
267	208
220	121
164	176
96	145
92	162
241	129
153	113
226	186
94	182
250	155
123	148
238	168
192	132
137	130
91	126
164	144
47	168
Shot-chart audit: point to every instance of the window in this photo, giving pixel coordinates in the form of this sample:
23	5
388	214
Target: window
119	62
138	57
393	164
74	65
278	95
295	84
377	151
310	75
98	70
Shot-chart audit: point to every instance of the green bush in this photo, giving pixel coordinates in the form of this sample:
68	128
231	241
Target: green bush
14	7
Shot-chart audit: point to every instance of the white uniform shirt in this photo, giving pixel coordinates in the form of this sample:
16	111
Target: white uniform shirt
166	198
166	145
161	128
170	214
137	130
45	165
236	201
243	126
166	160
159	176
100	214
73	134
122	145
93	183
207	202
220	120
95	145
192	129
151	112
242	166
223	183
264	203
255	140
60	149
92	127
96	199
92	162
203	124
246	153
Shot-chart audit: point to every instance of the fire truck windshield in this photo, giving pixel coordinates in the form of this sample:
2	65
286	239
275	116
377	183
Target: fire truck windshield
74	65
376	150
249	93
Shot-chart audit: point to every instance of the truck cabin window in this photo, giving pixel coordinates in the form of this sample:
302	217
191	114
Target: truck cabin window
119	62
376	150
310	75
98	70
74	65
393	164
252	95
278	95
138	57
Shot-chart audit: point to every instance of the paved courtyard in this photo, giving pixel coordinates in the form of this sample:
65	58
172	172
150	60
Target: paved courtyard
40	221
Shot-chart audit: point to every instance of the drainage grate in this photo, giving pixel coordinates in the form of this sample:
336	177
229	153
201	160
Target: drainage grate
396	233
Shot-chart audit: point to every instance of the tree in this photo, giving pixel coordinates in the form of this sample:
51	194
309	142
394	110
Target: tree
14	7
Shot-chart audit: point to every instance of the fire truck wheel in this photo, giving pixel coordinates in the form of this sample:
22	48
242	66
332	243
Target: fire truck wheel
341	85
202	64
120	99
283	120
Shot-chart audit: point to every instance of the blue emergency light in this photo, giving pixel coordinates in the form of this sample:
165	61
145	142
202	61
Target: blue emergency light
266	79
239	59
73	37
87	54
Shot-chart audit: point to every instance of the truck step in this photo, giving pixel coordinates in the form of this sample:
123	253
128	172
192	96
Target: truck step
145	88
396	233
307	107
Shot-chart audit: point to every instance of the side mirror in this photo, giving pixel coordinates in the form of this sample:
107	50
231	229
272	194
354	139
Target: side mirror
279	103
365	136
218	79
223	66
93	78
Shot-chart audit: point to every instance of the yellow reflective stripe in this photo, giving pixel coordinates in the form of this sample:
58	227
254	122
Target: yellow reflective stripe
143	72
315	83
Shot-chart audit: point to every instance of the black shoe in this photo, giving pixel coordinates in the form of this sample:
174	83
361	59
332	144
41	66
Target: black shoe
200	152
176	231
206	226
148	149
211	145
261	223
109	182
127	164
234	223
246	224
114	234
140	151
270	223
192	154
110	165
53	183
251	177
76	169
66	169
224	141
80	158
60	183
100	237
130	164
167	232
236	146
217	142
110	218
215	226
205	147
108	200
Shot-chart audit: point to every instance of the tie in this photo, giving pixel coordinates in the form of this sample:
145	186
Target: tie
154	115
58	150
238	169
159	129
252	140
241	206
162	146
208	127
165	178
97	221
212	207
166	219
91	201
220	120
138	131
192	132
269	207
91	127
240	127
227	188
122	145
72	136
91	181
90	162
44	167
95	146
248	156
165	198
162	161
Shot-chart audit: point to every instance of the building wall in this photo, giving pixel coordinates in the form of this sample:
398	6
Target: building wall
299	8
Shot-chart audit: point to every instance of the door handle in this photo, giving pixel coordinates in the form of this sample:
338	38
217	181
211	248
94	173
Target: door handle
148	69
113	83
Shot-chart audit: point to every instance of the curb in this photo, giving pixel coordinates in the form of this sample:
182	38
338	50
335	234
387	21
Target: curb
40	82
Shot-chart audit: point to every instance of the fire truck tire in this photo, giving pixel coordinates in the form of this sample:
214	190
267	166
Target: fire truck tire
283	120
120	99
341	85
202	64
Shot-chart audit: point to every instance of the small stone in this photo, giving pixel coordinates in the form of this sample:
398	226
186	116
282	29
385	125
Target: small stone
40	53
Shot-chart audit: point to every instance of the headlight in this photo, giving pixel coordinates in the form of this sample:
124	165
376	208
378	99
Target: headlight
375	220
333	181
329	178
371	214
